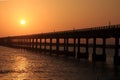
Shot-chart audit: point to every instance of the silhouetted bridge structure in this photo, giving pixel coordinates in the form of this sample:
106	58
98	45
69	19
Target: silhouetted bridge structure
68	43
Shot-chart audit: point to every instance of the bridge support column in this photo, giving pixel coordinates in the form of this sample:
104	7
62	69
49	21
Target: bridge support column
36	43
104	50
101	57
50	46
66	47
25	46
33	43
26	43
94	50
29	44
20	43
45	49
117	57
83	55
87	54
57	46
74	52
40	44
64	52
78	53
21	46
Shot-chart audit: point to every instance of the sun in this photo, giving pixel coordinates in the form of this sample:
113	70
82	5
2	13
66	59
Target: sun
23	22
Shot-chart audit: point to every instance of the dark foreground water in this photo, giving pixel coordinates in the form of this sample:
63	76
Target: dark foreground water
16	64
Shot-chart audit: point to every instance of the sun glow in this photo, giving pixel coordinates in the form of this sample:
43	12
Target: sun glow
22	22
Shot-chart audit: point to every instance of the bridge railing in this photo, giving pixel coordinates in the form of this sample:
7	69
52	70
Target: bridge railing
33	41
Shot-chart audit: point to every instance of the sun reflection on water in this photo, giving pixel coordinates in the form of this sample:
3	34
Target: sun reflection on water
20	63
20	67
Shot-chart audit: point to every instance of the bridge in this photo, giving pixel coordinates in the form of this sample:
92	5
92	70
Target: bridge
68	43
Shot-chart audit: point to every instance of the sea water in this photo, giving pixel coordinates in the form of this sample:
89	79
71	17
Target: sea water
21	64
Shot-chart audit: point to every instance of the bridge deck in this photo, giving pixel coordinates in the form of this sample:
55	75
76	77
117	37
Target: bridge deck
36	41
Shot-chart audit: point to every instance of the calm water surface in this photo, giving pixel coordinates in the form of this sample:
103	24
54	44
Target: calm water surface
16	64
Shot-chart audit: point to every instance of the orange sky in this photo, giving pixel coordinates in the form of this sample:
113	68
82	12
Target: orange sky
55	15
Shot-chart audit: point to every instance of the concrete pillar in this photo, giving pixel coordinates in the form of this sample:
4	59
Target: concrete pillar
40	43
104	46
32	43
104	50
74	53
117	57
78	53
28	43
101	57
24	45
94	50
82	55
45	45
57	46
50	46
66	45
36	43
21	43
116	46
86	54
